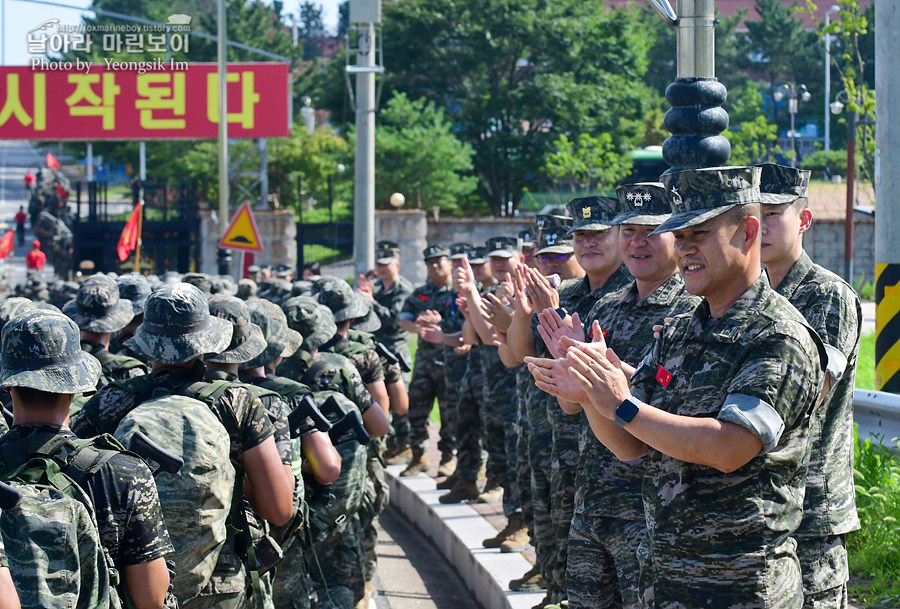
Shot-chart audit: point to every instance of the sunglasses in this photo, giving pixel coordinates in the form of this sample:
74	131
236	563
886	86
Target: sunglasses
554	257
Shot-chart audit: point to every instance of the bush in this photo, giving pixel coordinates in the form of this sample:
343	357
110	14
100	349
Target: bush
825	163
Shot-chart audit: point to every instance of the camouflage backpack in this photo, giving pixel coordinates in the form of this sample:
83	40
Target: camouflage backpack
196	502
51	538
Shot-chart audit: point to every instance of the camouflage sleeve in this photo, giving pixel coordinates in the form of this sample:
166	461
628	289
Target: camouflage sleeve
835	316
410	308
277	411
369	366
129	516
3	561
254	423
776	385
359	395
643	381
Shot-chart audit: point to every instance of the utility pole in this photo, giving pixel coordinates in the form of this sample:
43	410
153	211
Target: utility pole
224	194
365	14
887	206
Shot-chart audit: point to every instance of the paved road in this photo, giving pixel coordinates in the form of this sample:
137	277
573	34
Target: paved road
412	573
16	158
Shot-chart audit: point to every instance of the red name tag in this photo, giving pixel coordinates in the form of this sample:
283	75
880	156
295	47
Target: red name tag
663	376
604	332
423	297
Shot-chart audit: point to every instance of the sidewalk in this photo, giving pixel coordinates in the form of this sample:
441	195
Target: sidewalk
458	530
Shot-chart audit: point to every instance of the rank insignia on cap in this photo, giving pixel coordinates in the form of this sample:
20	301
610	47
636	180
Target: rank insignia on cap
585	212
540	223
663	376
551	238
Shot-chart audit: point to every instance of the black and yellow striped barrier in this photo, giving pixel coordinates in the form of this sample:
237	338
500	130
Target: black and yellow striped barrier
887	327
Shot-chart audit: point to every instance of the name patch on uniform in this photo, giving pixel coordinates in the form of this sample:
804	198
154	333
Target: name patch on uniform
423	297
602	331
663	376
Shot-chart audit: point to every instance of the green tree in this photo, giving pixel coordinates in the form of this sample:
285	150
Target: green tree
310	28
751	134
417	154
587	164
514	74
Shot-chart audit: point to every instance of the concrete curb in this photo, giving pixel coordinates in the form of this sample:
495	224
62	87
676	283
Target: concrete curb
457	531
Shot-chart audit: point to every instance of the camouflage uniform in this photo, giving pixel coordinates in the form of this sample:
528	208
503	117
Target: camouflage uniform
717	539
469	408
427	383
602	568
575	296
832	308
125	500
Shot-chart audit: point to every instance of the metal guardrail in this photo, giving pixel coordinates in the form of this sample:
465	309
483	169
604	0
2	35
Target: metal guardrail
877	413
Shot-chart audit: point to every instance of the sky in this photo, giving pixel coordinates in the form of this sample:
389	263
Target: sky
21	16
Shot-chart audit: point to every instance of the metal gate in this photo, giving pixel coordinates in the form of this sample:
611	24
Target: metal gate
325	243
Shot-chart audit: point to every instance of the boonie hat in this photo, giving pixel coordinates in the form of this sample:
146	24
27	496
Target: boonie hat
15	305
343	302
199	280
368	322
312	320
643	203
177	326
698	195
275	334
42	350
276	312
97	306
504	247
136	288
782	184
247	339
592	213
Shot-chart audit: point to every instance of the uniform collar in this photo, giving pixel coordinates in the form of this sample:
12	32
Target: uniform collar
741	315
796	276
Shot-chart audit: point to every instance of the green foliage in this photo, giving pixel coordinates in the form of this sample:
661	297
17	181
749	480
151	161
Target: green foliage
874	550
752	136
314	158
825	163
865	367
514	74
418	155
588	163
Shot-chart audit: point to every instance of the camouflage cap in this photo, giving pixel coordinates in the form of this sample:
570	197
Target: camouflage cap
527	238
301	287
136	288
14	306
386	252
370	321
698	195
275	333
555	240
435	251
503	247
321	281
246	337
253	269
592	213
97	306
782	184
458	251
643	203
478	255
42	350
312	320
199	280
343	302
177	326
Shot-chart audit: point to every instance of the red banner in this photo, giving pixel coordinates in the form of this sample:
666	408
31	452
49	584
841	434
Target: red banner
147	100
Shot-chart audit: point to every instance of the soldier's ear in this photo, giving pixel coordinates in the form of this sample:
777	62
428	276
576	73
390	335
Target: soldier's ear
751	228
806	217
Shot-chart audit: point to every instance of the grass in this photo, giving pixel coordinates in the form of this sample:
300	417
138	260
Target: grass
874	550
865	368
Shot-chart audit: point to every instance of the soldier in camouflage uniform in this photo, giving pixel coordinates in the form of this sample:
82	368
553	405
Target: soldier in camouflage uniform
176	333
9	308
135	288
463	484
602	568
500	406
43	366
99	312
424	305
388	293
8	597
833	309
720	406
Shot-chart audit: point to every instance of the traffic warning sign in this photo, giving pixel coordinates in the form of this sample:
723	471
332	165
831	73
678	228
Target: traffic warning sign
242	233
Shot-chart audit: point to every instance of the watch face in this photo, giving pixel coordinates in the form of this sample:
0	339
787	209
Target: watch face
626	411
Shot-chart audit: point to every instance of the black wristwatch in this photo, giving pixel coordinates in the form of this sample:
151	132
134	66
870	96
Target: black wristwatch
626	411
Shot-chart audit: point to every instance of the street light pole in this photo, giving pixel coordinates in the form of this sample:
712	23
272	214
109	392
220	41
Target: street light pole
833	9
836	108
795	94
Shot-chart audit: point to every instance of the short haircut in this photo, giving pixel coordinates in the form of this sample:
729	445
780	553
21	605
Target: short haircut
739	213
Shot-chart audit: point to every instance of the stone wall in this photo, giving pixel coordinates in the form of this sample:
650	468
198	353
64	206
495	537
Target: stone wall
475	230
824	242
407	228
277	231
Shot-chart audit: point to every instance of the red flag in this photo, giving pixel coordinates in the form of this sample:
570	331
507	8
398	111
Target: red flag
129	237
52	163
7	244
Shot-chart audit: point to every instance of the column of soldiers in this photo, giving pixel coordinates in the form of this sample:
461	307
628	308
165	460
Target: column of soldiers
661	384
165	443
663	390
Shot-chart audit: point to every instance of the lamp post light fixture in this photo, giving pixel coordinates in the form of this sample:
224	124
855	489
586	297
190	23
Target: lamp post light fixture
795	94
341	168
827	39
